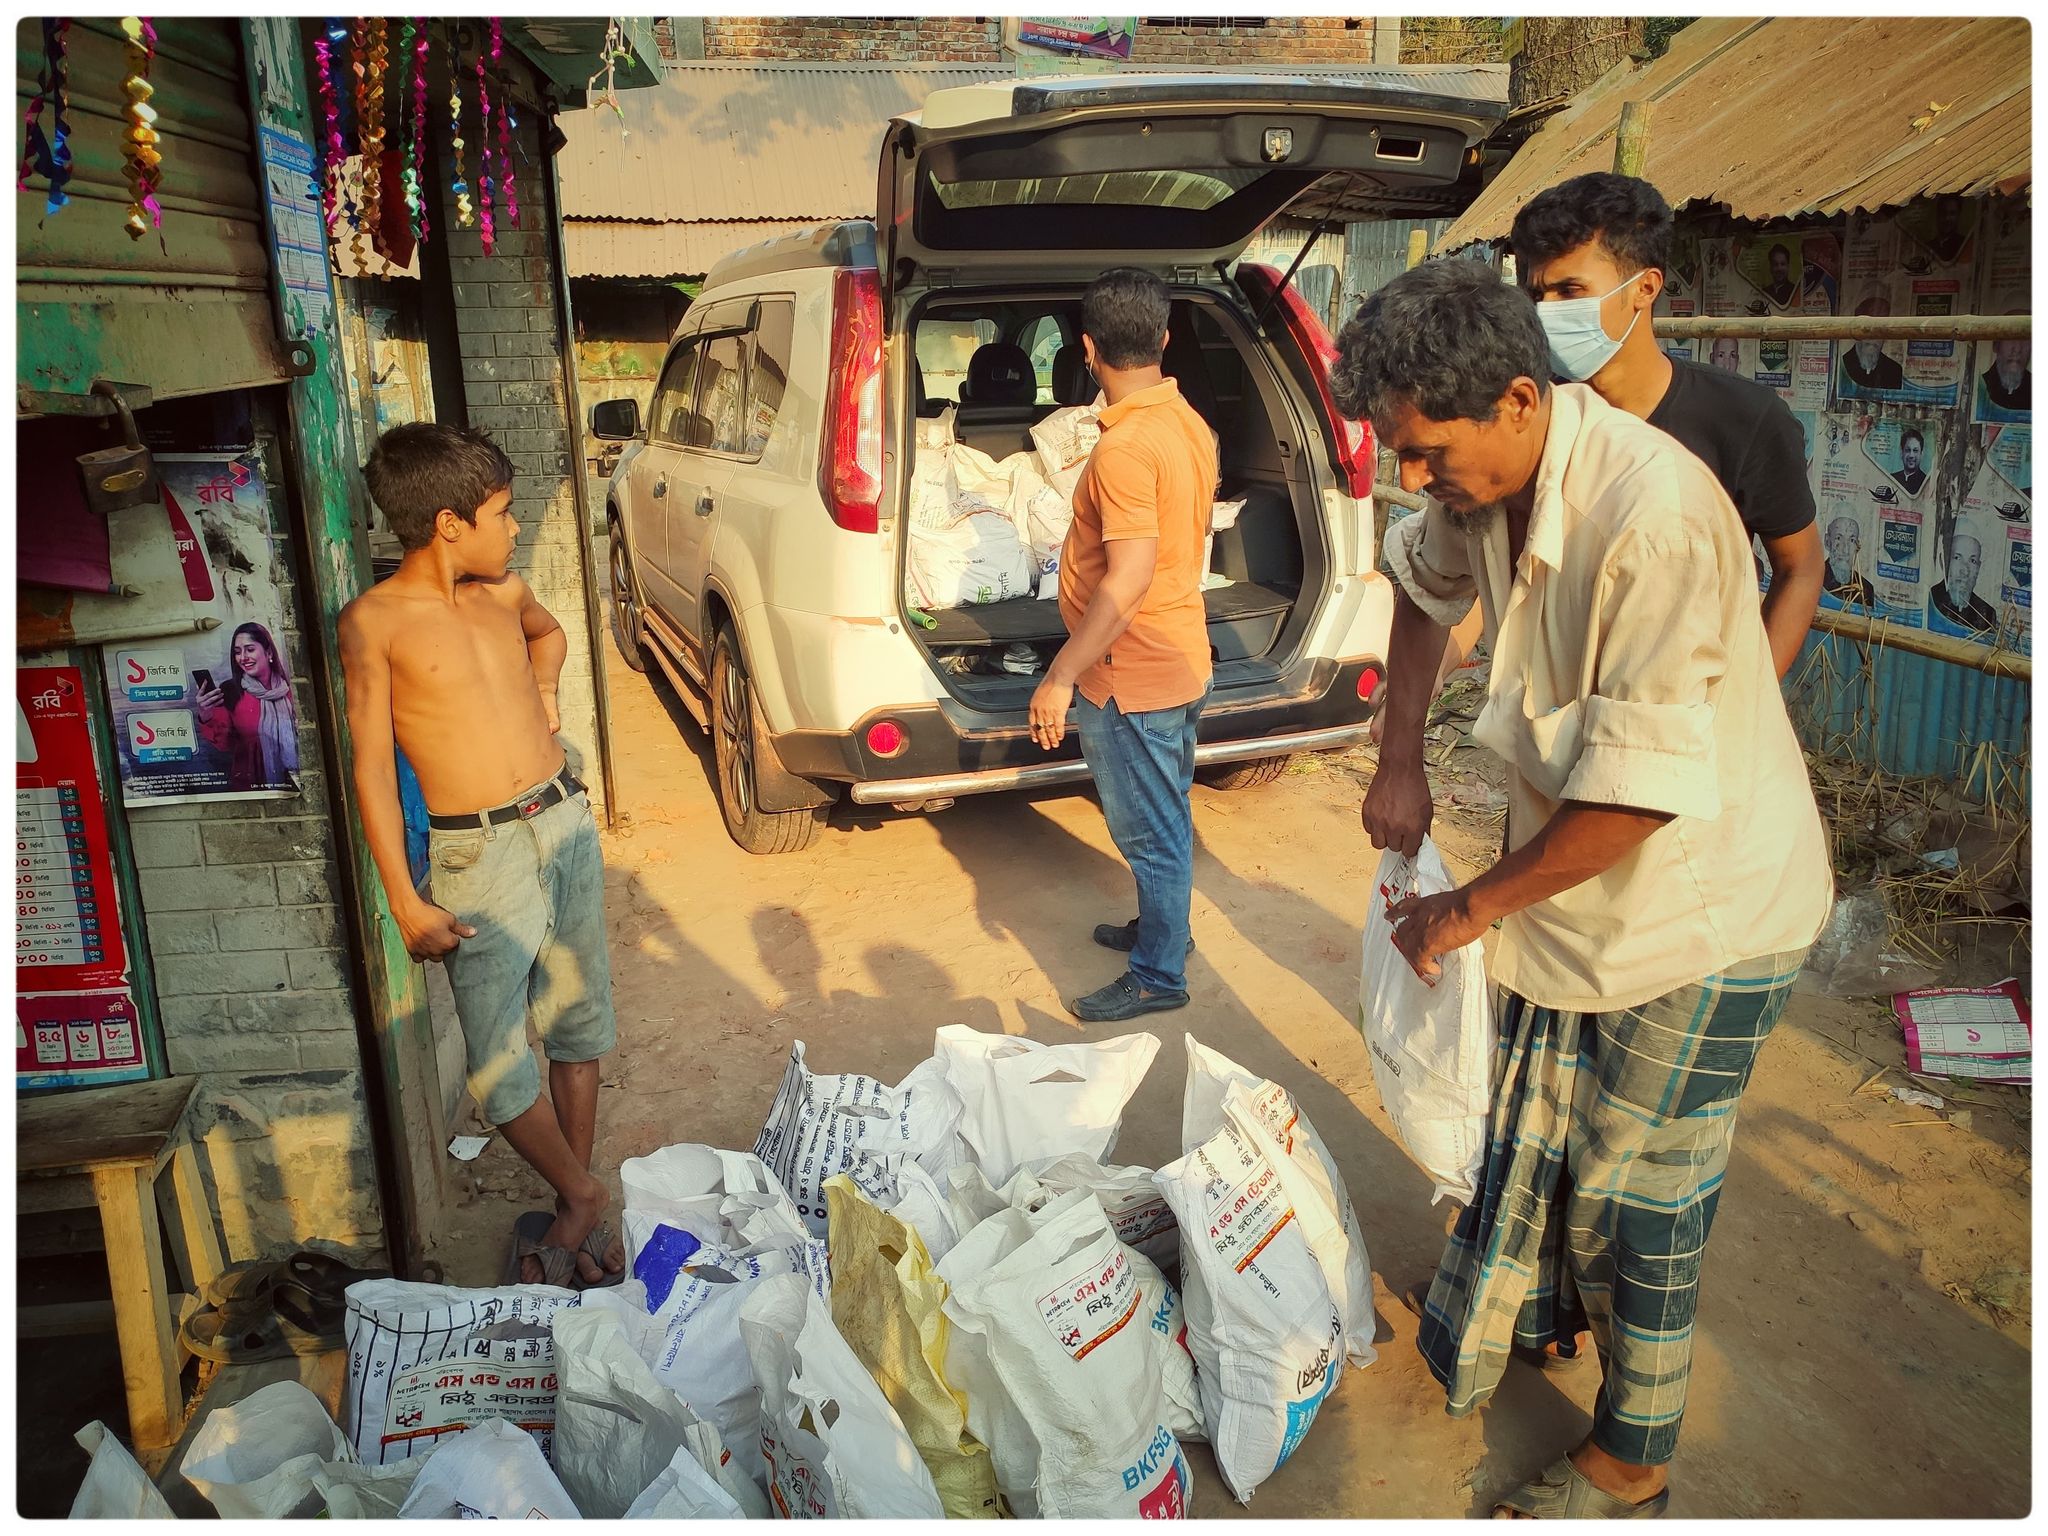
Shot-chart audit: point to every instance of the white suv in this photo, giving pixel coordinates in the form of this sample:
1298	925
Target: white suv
758	522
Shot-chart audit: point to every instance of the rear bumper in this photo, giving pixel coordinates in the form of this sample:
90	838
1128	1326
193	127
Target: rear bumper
953	751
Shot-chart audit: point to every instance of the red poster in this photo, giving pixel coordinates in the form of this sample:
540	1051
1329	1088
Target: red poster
70	964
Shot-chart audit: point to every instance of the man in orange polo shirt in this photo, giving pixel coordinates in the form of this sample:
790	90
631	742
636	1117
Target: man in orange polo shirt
1138	634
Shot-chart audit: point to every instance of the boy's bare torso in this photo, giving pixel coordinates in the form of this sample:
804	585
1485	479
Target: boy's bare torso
465	708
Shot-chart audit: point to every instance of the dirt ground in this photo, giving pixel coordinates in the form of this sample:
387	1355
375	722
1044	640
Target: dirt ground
1865	1328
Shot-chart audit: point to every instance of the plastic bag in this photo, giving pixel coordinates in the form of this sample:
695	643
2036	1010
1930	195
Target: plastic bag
1314	1186
1064	440
352	1491
688	1202
115	1486
976	557
1267	1338
683	1490
897	1185
617	1427
834	1447
888	1303
491	1472
1431	1045
255	1459
1055	1349
1023	1102
406	1339
820	1123
1130	1198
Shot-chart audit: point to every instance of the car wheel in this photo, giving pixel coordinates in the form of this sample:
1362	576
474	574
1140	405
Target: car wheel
733	745
626	632
1260	770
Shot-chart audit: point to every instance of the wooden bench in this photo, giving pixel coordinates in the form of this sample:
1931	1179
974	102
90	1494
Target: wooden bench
106	1149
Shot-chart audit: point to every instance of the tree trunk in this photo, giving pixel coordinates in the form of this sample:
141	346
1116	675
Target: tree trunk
1562	55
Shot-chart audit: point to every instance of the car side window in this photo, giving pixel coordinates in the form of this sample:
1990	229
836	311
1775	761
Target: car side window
720	412
1043	341
768	372
666	420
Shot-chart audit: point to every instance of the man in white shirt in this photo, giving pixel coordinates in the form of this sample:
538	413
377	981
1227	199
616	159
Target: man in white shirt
1665	870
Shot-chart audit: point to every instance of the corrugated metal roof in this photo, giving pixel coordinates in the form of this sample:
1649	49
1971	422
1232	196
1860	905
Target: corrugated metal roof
673	248
719	140
1816	114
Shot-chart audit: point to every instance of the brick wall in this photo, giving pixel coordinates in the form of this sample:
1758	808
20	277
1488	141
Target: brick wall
513	389
977	40
247	941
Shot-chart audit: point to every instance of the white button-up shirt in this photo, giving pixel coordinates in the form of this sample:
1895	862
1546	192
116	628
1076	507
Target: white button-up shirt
1630	668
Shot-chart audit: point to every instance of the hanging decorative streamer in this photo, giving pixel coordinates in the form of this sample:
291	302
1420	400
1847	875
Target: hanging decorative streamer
415	149
139	150
51	157
373	131
333	149
483	154
613	54
463	216
507	189
359	65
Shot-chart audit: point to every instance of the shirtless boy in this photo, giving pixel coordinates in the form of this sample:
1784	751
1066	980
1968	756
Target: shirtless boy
454	660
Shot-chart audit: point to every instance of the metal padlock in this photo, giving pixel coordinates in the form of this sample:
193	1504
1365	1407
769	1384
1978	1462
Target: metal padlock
123	476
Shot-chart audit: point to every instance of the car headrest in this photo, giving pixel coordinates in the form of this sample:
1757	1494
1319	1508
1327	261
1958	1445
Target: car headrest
1070	382
999	374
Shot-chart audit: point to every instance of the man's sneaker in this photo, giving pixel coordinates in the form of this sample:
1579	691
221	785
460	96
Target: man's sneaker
1123	937
1123	999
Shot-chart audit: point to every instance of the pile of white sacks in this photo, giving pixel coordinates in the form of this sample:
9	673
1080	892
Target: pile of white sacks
996	1331
983	530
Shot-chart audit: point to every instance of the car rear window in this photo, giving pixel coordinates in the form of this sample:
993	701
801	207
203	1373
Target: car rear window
1127	189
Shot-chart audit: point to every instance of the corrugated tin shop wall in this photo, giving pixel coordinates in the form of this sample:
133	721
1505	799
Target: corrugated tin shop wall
1905	714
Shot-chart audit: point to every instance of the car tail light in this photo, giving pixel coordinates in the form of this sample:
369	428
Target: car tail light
1351	441
851	474
887	739
1368	683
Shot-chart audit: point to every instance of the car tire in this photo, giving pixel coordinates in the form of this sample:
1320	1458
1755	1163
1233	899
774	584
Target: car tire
733	746
627	634
1260	770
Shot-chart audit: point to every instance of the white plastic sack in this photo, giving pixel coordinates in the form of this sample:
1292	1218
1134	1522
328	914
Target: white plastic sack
115	1486
1431	1045
351	1491
834	1447
1314	1186
1130	1198
898	1185
1057	1350
977	557
491	1472
1064	440
683	1490
686	1202
1024	1102
821	1124
1047	517
429	1361
1223	514
618	1428
1267	1338
255	1459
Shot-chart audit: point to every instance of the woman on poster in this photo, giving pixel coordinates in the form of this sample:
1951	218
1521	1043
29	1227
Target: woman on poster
252	717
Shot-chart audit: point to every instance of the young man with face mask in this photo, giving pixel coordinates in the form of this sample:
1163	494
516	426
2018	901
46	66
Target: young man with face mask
1665	871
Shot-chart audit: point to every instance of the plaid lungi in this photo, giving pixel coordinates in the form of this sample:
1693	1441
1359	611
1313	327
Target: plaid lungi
1609	1139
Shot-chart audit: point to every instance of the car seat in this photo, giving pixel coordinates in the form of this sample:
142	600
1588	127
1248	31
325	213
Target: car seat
1071	384
999	374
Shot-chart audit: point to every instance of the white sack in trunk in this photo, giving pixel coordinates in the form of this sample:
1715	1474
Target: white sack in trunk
429	1361
255	1459
978	557
1314	1186
1055	1348
834	1447
1431	1045
1023	1102
1064	440
1267	1338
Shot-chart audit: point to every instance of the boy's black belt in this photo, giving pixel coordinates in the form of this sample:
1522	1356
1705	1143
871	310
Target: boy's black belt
554	792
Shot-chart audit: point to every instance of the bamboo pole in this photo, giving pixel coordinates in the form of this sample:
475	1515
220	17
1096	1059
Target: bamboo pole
1418	246
1849	327
1870	630
1632	138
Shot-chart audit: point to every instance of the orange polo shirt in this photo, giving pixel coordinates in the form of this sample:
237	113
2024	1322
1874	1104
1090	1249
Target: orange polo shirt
1152	476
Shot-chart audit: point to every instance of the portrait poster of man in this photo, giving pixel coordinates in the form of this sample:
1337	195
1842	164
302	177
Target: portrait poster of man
2002	371
1885	274
1796	273
1999	508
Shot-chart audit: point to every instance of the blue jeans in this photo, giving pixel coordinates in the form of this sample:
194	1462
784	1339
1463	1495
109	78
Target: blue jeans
1144	767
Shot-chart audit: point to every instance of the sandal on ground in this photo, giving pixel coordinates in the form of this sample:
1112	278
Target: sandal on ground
1568	1356
557	1265
1563	1492
596	1245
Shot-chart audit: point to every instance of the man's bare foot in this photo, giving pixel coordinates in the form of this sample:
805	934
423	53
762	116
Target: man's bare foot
1624	1480
575	1215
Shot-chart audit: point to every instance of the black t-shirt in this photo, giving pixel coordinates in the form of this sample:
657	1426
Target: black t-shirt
1747	436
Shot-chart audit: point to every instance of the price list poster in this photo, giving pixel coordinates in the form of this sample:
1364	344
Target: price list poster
75	1020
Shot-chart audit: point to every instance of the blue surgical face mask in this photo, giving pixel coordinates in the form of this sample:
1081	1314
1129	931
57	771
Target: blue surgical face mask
1579	344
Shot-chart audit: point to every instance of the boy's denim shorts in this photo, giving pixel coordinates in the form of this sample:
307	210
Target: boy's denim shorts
534	892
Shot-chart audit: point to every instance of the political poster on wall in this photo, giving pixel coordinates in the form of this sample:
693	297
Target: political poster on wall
1679	299
1874	495
1899	265
1797	273
2002	376
211	716
1987	573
